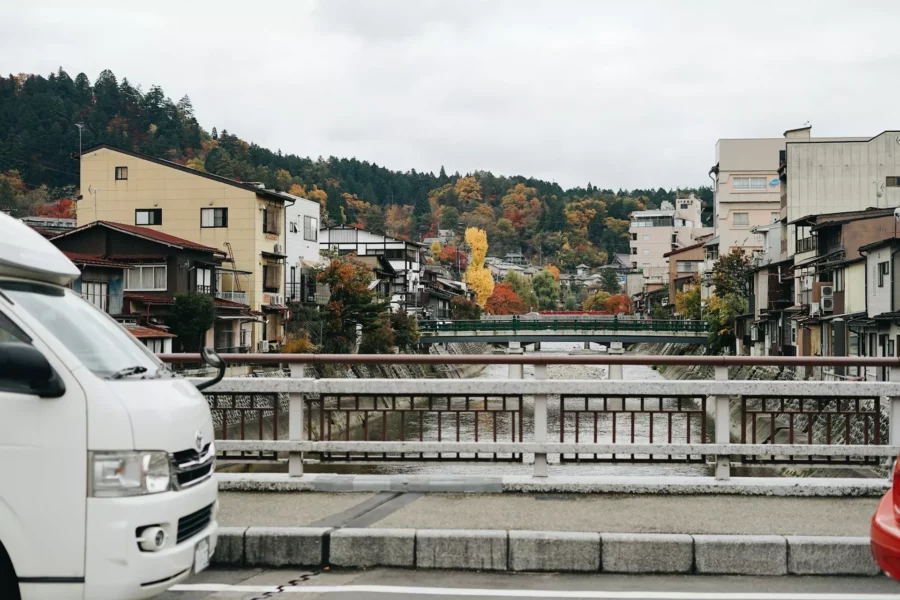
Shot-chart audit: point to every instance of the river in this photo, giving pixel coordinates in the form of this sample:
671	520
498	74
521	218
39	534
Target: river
467	424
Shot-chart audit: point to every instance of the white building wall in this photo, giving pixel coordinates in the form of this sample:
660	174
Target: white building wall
878	299
301	242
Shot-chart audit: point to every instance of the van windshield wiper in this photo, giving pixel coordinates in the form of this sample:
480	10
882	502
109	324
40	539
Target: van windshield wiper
128	371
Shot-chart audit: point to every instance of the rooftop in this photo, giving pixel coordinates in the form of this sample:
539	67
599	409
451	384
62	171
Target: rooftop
147	234
92	260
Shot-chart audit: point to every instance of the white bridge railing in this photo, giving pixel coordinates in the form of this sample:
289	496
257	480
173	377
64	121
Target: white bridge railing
544	420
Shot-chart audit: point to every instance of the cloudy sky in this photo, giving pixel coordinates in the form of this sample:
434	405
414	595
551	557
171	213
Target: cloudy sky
621	94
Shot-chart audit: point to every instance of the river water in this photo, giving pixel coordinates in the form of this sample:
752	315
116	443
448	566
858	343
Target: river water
638	425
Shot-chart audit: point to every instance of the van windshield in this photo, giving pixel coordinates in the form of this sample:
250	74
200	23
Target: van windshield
86	331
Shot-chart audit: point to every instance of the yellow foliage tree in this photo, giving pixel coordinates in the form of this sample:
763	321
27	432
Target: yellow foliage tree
467	189
476	275
436	248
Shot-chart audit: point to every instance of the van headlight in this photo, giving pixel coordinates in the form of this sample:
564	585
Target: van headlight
115	474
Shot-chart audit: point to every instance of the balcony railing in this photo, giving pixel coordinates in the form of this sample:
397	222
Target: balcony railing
592	421
581	324
807	244
240	297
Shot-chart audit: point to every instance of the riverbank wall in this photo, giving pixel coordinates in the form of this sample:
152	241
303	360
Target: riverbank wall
756	373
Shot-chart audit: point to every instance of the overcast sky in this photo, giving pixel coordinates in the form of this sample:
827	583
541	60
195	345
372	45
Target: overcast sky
621	94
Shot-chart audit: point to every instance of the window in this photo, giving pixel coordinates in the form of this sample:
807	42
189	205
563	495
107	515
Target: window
292	227
646	238
684	206
203	282
646	251
749	183
272	277
146	278
394	254
213	217
634	250
148	216
155	345
121	173
884	270
271	220
633	237
741	219
310	229
634	265
890	348
687	266
96	292
892	181
775	217
92	336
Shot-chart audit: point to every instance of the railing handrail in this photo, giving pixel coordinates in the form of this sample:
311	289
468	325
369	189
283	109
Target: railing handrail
541	359
570	387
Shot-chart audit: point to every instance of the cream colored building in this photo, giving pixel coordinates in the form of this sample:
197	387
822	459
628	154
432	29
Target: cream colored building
243	220
654	233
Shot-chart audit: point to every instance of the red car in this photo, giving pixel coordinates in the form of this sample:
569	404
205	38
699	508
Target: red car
885	532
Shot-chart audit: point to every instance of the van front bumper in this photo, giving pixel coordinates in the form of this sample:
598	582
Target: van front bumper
116	567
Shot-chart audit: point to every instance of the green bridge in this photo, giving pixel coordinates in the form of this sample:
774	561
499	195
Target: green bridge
601	330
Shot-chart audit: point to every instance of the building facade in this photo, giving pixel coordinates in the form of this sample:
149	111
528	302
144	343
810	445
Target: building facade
243	221
657	232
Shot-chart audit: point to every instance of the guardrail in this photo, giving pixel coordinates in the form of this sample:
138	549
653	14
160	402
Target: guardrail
609	421
567	324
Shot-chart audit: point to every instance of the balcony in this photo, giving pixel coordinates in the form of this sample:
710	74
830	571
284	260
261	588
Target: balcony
784	199
239	297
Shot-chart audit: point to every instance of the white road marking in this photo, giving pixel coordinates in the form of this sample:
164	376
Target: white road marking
598	595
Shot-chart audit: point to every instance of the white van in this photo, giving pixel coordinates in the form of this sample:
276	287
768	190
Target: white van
106	456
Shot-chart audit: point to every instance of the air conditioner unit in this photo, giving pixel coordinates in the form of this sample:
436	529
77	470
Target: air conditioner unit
754	334
813	308
822	289
263	346
279	249
827	291
311	298
828	304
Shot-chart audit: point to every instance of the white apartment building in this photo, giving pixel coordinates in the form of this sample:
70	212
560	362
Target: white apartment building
301	245
657	232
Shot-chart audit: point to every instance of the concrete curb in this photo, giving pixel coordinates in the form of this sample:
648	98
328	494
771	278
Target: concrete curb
668	485
555	551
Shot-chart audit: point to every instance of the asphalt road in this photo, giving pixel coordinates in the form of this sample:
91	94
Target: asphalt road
393	584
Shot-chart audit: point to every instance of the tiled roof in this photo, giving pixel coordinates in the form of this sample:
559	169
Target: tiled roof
93	260
151	299
141	331
148	234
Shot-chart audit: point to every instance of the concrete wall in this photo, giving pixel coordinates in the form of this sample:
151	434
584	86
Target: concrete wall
837	176
855	288
295	246
878	299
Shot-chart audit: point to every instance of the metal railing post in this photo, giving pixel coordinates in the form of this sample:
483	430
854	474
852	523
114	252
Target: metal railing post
723	426
540	423
295	424
615	371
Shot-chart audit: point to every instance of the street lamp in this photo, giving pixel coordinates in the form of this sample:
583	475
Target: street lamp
80	127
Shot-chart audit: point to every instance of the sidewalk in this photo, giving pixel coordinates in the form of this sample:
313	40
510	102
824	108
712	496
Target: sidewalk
608	513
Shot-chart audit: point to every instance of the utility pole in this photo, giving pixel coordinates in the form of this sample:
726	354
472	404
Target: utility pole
80	127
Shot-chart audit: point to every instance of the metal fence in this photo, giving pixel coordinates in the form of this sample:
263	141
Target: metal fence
612	421
568	324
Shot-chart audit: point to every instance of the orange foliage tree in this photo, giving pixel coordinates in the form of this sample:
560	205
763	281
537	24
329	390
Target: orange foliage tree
451	254
553	271
64	208
620	304
504	301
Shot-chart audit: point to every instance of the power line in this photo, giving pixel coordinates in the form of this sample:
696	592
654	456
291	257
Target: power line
43	164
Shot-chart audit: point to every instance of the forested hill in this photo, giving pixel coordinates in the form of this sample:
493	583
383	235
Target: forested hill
38	163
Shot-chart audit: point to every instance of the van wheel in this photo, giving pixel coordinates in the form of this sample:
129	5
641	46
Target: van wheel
9	582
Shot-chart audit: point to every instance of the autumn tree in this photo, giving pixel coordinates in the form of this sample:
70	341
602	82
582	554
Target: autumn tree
546	288
477	275
454	257
619	304
504	301
352	304
553	270
731	274
687	300
449	218
609	281
597	302
468	190
436	249
64	208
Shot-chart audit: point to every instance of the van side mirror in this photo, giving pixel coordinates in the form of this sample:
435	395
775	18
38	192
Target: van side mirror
210	357
25	370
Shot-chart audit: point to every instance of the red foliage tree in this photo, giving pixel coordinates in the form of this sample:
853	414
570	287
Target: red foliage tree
63	208
504	301
449	256
620	304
